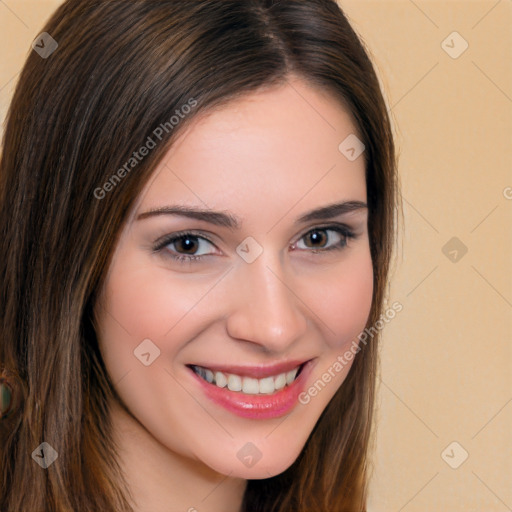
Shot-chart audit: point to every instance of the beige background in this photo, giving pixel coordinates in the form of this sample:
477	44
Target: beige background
447	357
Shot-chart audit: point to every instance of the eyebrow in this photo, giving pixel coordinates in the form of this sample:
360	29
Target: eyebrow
232	222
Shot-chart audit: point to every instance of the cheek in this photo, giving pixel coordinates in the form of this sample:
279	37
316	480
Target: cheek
137	305
344	300
147	302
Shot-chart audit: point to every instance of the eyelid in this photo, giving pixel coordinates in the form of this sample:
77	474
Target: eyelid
333	225
348	231
168	239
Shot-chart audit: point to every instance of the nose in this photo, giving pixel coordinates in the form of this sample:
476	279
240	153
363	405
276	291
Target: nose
265	308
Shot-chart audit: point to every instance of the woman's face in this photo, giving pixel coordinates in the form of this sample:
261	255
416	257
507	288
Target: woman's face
279	289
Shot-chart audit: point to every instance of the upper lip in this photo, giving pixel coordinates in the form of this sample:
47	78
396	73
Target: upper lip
254	371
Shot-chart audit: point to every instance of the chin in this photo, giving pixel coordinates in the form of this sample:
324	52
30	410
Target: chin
256	469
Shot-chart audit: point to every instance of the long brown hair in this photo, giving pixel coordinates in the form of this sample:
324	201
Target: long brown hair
120	71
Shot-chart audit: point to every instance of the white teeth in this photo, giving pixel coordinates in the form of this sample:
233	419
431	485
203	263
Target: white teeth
267	385
247	385
280	381
250	386
209	376
234	383
290	376
220	380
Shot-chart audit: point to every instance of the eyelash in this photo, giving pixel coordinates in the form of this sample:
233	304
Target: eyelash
161	245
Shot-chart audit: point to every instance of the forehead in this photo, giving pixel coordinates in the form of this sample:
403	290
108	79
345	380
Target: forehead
262	154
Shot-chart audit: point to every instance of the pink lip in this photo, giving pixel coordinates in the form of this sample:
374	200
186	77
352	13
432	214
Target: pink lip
257	406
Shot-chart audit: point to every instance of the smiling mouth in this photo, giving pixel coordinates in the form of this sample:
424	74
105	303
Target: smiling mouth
248	385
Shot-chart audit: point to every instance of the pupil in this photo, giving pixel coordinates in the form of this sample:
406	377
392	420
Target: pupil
189	245
314	236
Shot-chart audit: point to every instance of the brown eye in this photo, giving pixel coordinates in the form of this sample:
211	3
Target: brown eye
186	243
318	238
183	247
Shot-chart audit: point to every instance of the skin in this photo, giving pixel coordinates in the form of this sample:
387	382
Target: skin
267	159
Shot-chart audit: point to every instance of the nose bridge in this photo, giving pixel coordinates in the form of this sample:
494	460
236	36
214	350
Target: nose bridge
265	309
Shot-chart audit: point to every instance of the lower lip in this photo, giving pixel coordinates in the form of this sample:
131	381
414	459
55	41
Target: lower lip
257	406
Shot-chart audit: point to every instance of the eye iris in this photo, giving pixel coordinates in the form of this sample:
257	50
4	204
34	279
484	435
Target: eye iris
315	237
189	246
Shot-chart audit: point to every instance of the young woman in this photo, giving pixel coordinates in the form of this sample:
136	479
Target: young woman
197	206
